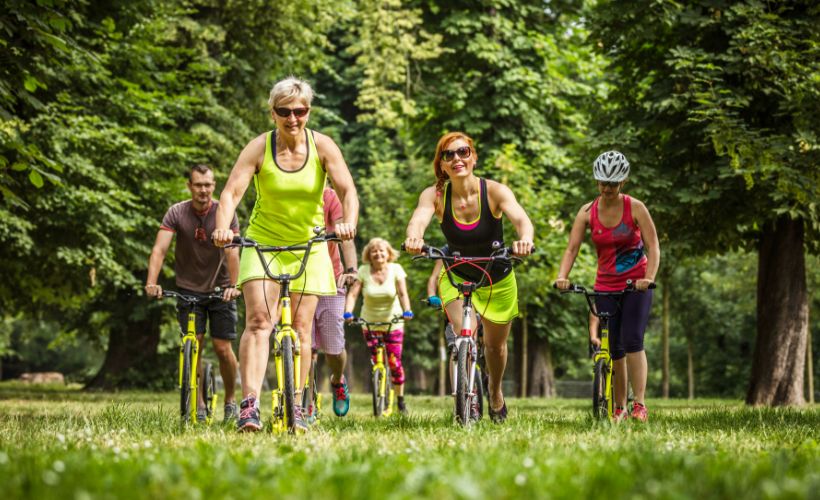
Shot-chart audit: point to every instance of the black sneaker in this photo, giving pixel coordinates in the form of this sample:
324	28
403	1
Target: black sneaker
499	416
231	413
249	415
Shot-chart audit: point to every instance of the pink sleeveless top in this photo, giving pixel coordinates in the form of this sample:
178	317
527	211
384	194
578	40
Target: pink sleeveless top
620	250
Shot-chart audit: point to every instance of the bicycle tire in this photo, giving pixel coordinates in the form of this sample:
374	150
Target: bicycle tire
462	395
480	391
387	402
209	385
599	396
288	384
185	386
375	380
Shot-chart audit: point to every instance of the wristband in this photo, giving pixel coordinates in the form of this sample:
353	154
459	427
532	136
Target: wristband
408	314
351	270
434	301
347	315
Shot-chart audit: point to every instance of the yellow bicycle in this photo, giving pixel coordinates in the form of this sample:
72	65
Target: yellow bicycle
286	344
188	359
381	381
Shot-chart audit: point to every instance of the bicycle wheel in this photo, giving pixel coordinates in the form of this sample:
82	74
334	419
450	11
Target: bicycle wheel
462	389
288	383
378	401
185	386
209	386
388	400
599	395
480	391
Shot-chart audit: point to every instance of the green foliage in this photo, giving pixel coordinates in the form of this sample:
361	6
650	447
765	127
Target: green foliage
128	445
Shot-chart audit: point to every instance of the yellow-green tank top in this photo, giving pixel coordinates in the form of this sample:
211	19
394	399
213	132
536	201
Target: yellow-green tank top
288	203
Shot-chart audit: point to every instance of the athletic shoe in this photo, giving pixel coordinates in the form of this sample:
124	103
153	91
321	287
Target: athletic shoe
230	412
639	412
402	406
341	398
249	415
299	424
619	415
499	416
201	415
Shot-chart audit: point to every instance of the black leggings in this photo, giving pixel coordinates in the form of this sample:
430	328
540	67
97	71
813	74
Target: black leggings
627	327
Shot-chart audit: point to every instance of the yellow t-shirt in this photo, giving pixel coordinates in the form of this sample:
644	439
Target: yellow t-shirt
381	300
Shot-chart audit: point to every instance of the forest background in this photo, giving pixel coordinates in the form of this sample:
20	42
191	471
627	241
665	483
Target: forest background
104	106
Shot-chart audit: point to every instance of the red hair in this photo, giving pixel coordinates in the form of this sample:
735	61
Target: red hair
441	177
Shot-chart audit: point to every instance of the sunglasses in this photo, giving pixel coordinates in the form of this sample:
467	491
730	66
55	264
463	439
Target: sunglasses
462	152
609	184
297	112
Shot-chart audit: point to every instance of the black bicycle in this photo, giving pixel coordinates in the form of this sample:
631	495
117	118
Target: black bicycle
465	353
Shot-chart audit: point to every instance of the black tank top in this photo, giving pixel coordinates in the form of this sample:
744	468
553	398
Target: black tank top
474	239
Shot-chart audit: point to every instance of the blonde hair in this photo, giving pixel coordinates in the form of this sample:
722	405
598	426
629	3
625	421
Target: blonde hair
392	254
289	89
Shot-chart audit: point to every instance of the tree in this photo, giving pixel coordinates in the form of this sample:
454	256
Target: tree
716	103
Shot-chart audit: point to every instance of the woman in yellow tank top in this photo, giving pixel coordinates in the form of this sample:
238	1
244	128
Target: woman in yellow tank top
289	167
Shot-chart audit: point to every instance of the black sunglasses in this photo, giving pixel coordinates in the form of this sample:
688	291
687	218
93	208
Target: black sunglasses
285	112
462	152
609	184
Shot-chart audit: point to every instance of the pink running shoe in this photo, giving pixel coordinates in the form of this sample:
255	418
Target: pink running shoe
639	412
619	415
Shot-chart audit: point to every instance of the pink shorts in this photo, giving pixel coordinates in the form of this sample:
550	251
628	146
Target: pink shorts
328	324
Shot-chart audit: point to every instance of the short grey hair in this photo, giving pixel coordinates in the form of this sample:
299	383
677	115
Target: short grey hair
291	88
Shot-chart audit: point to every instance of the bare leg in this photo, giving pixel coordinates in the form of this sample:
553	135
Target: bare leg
227	367
636	363
336	363
619	382
495	352
261	313
304	307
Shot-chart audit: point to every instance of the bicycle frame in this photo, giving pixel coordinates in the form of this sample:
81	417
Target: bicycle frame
284	328
379	365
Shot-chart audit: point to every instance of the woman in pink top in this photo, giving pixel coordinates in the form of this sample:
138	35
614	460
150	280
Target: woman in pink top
627	246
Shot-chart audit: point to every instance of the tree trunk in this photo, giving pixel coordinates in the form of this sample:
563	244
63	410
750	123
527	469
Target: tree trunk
525	333
690	366
665	337
782	316
131	359
809	367
543	371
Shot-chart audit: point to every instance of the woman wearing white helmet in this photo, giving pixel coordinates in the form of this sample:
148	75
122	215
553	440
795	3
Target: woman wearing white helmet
627	245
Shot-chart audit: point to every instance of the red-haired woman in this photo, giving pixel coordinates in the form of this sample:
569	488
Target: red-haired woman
469	210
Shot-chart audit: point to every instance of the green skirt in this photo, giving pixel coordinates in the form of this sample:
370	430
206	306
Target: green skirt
497	303
318	278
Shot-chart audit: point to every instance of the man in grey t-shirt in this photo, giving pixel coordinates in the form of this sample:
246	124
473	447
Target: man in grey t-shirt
200	267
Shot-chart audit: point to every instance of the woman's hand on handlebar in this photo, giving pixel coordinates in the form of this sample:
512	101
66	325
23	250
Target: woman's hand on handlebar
644	284
348	317
345	231
413	245
222	237
521	248
562	283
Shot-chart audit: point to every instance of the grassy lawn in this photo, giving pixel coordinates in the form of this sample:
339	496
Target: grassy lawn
59	443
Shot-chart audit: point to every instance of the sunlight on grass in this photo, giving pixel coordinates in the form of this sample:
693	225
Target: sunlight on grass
64	443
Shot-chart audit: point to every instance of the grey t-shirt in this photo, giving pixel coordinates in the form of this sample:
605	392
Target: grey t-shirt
199	265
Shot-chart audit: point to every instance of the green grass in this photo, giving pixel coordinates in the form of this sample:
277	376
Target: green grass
58	443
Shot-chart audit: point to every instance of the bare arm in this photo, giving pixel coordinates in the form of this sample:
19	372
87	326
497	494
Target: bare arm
420	220
349	260
336	168
649	235
432	281
505	200
232	262
158	252
352	296
404	298
249	161
576	237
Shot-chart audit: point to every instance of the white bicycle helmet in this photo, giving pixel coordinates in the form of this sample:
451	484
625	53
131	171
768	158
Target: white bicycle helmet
611	166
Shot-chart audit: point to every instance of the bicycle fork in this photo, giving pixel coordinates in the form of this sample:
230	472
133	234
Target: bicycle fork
380	366
191	335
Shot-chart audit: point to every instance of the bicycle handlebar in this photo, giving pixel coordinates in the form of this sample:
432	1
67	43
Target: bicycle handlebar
502	254
261	250
194	299
573	288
